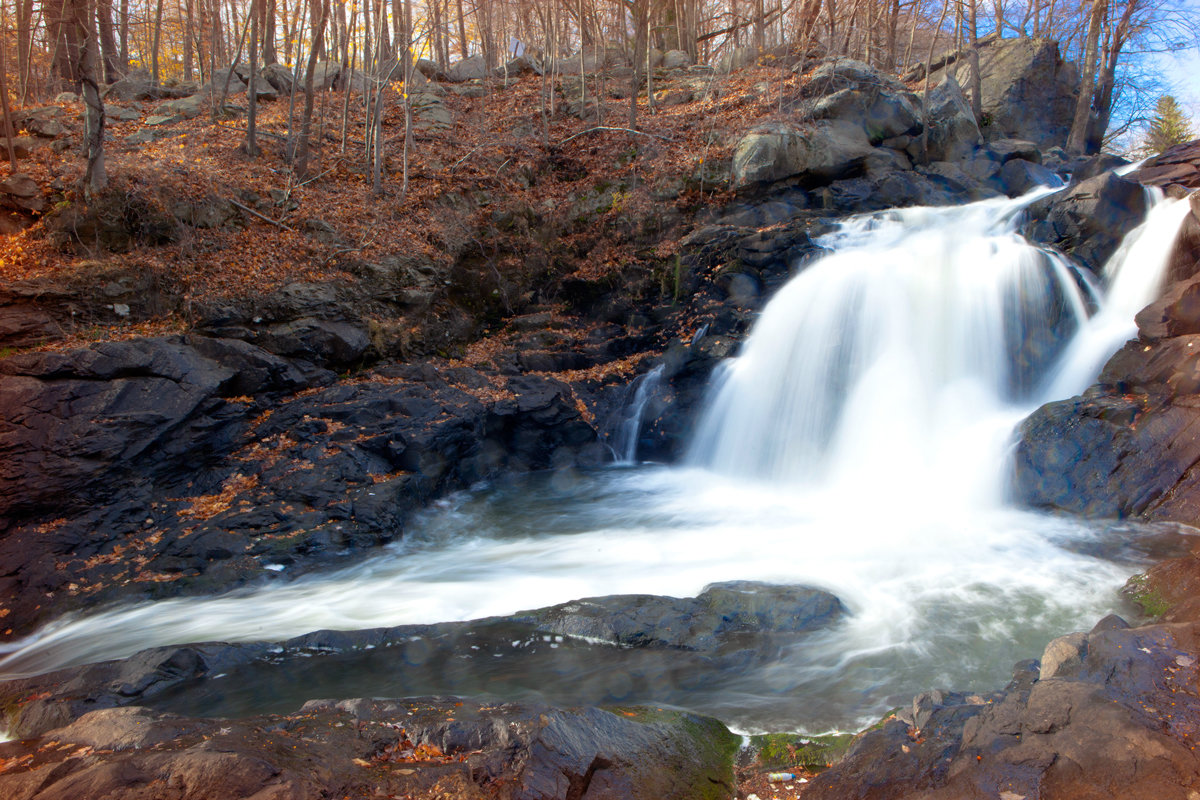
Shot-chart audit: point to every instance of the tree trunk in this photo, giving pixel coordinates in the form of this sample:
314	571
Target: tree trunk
252	89
320	9
267	25
84	15
154	48
4	108
463	45
641	16
976	76
24	44
188	33
1077	141
1106	82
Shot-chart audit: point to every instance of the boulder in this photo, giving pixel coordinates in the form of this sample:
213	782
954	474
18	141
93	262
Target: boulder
953	133
1179	165
334	342
676	59
521	65
1006	150
280	77
324	77
22	192
473	68
1088	220
593	59
185	107
136	85
1019	176
882	113
838	73
716	620
1028	90
735	59
84	414
430	69
815	153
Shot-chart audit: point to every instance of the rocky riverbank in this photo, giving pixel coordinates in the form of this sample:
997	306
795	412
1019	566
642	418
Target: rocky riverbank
292	434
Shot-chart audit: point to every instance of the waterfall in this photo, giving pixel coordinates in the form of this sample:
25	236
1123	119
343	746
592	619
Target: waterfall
1134	276
627	439
899	359
856	444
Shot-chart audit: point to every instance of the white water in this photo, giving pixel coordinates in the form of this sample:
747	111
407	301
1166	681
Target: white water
627	442
857	445
1134	276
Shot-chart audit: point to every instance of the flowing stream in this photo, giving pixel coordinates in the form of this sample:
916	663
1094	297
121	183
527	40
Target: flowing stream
857	444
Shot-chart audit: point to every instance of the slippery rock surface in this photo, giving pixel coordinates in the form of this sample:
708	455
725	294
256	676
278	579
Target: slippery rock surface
425	748
563	651
1089	219
1129	445
153	465
1113	713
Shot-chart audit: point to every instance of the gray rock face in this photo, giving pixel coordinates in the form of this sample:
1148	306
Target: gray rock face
1028	90
1089	219
734	59
78	414
883	114
816	152
472	68
676	59
953	133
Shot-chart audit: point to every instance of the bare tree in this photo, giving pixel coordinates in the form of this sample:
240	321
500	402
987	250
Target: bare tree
1077	140
83	18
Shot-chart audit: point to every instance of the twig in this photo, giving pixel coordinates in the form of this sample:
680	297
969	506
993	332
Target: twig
263	217
618	130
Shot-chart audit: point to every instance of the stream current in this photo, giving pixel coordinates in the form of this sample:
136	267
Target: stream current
857	444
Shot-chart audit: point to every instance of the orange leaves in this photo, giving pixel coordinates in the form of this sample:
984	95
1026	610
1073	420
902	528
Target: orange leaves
208	506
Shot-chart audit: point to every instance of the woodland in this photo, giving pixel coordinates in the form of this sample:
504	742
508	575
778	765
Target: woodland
654	399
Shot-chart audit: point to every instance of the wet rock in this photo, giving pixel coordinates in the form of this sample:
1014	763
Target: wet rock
1089	219
74	418
1179	165
1018	176
724	615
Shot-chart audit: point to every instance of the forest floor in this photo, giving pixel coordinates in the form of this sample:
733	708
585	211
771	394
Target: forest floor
503	178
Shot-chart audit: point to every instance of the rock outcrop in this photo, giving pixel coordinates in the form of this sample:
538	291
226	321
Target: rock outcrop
1028	90
1111	713
379	748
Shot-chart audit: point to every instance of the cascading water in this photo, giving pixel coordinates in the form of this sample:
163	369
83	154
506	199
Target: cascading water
627	442
856	445
897	361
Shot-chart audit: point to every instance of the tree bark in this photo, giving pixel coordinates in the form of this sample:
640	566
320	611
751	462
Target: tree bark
320	11
1077	140
84	15
252	89
154	48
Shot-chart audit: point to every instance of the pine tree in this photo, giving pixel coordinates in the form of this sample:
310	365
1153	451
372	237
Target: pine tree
1168	127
